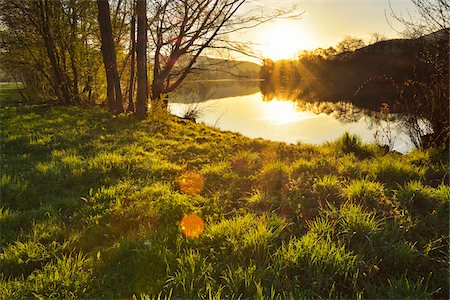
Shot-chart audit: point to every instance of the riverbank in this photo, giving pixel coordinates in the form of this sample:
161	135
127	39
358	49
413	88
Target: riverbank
91	208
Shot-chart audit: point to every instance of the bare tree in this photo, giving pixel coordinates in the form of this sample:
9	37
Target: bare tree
182	30
114	92
426	97
429	16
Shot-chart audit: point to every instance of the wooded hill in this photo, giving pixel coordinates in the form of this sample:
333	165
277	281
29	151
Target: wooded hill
208	68
368	76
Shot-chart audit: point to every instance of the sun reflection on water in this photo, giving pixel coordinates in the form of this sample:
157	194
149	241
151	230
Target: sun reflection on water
283	112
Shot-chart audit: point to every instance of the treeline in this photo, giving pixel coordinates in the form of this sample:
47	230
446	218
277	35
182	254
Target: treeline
411	75
366	76
72	51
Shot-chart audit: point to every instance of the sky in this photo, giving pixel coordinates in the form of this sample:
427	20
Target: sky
323	24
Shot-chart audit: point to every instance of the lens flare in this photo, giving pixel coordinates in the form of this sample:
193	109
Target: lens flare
191	182
192	226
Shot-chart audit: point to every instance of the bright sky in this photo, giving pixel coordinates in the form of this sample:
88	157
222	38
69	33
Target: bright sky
323	24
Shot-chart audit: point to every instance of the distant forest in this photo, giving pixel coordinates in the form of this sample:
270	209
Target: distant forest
368	76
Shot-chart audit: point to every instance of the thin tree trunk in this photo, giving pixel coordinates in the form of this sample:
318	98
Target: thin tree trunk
133	60
113	90
141	51
60	83
73	50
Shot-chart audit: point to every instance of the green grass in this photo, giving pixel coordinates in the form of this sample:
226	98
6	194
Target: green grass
91	204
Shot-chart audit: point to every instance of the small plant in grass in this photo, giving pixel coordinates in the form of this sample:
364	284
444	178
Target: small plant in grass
402	288
393	171
273	177
191	275
14	191
306	261
350	143
366	192
246	163
170	206
65	277
218	176
249	237
355	226
322	226
240	281
401	255
328	188
300	199
159	118
194	111
418	198
259	201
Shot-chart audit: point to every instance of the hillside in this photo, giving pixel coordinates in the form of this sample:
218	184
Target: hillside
214	78
367	77
92	208
209	68
403	47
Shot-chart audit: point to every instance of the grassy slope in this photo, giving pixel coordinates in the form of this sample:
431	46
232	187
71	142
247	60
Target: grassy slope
91	208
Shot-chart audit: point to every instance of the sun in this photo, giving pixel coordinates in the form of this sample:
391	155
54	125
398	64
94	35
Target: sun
284	39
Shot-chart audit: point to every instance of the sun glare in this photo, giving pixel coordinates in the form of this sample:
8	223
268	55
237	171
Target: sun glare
284	39
192	226
283	112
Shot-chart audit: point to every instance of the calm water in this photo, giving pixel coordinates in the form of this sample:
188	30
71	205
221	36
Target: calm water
287	121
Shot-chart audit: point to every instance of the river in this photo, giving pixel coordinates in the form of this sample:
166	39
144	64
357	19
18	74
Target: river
246	112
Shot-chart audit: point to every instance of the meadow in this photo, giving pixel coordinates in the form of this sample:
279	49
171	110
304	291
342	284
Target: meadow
91	206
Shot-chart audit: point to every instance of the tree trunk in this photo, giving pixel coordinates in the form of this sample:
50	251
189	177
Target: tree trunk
130	107
114	93
59	80
141	51
157	88
73	52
